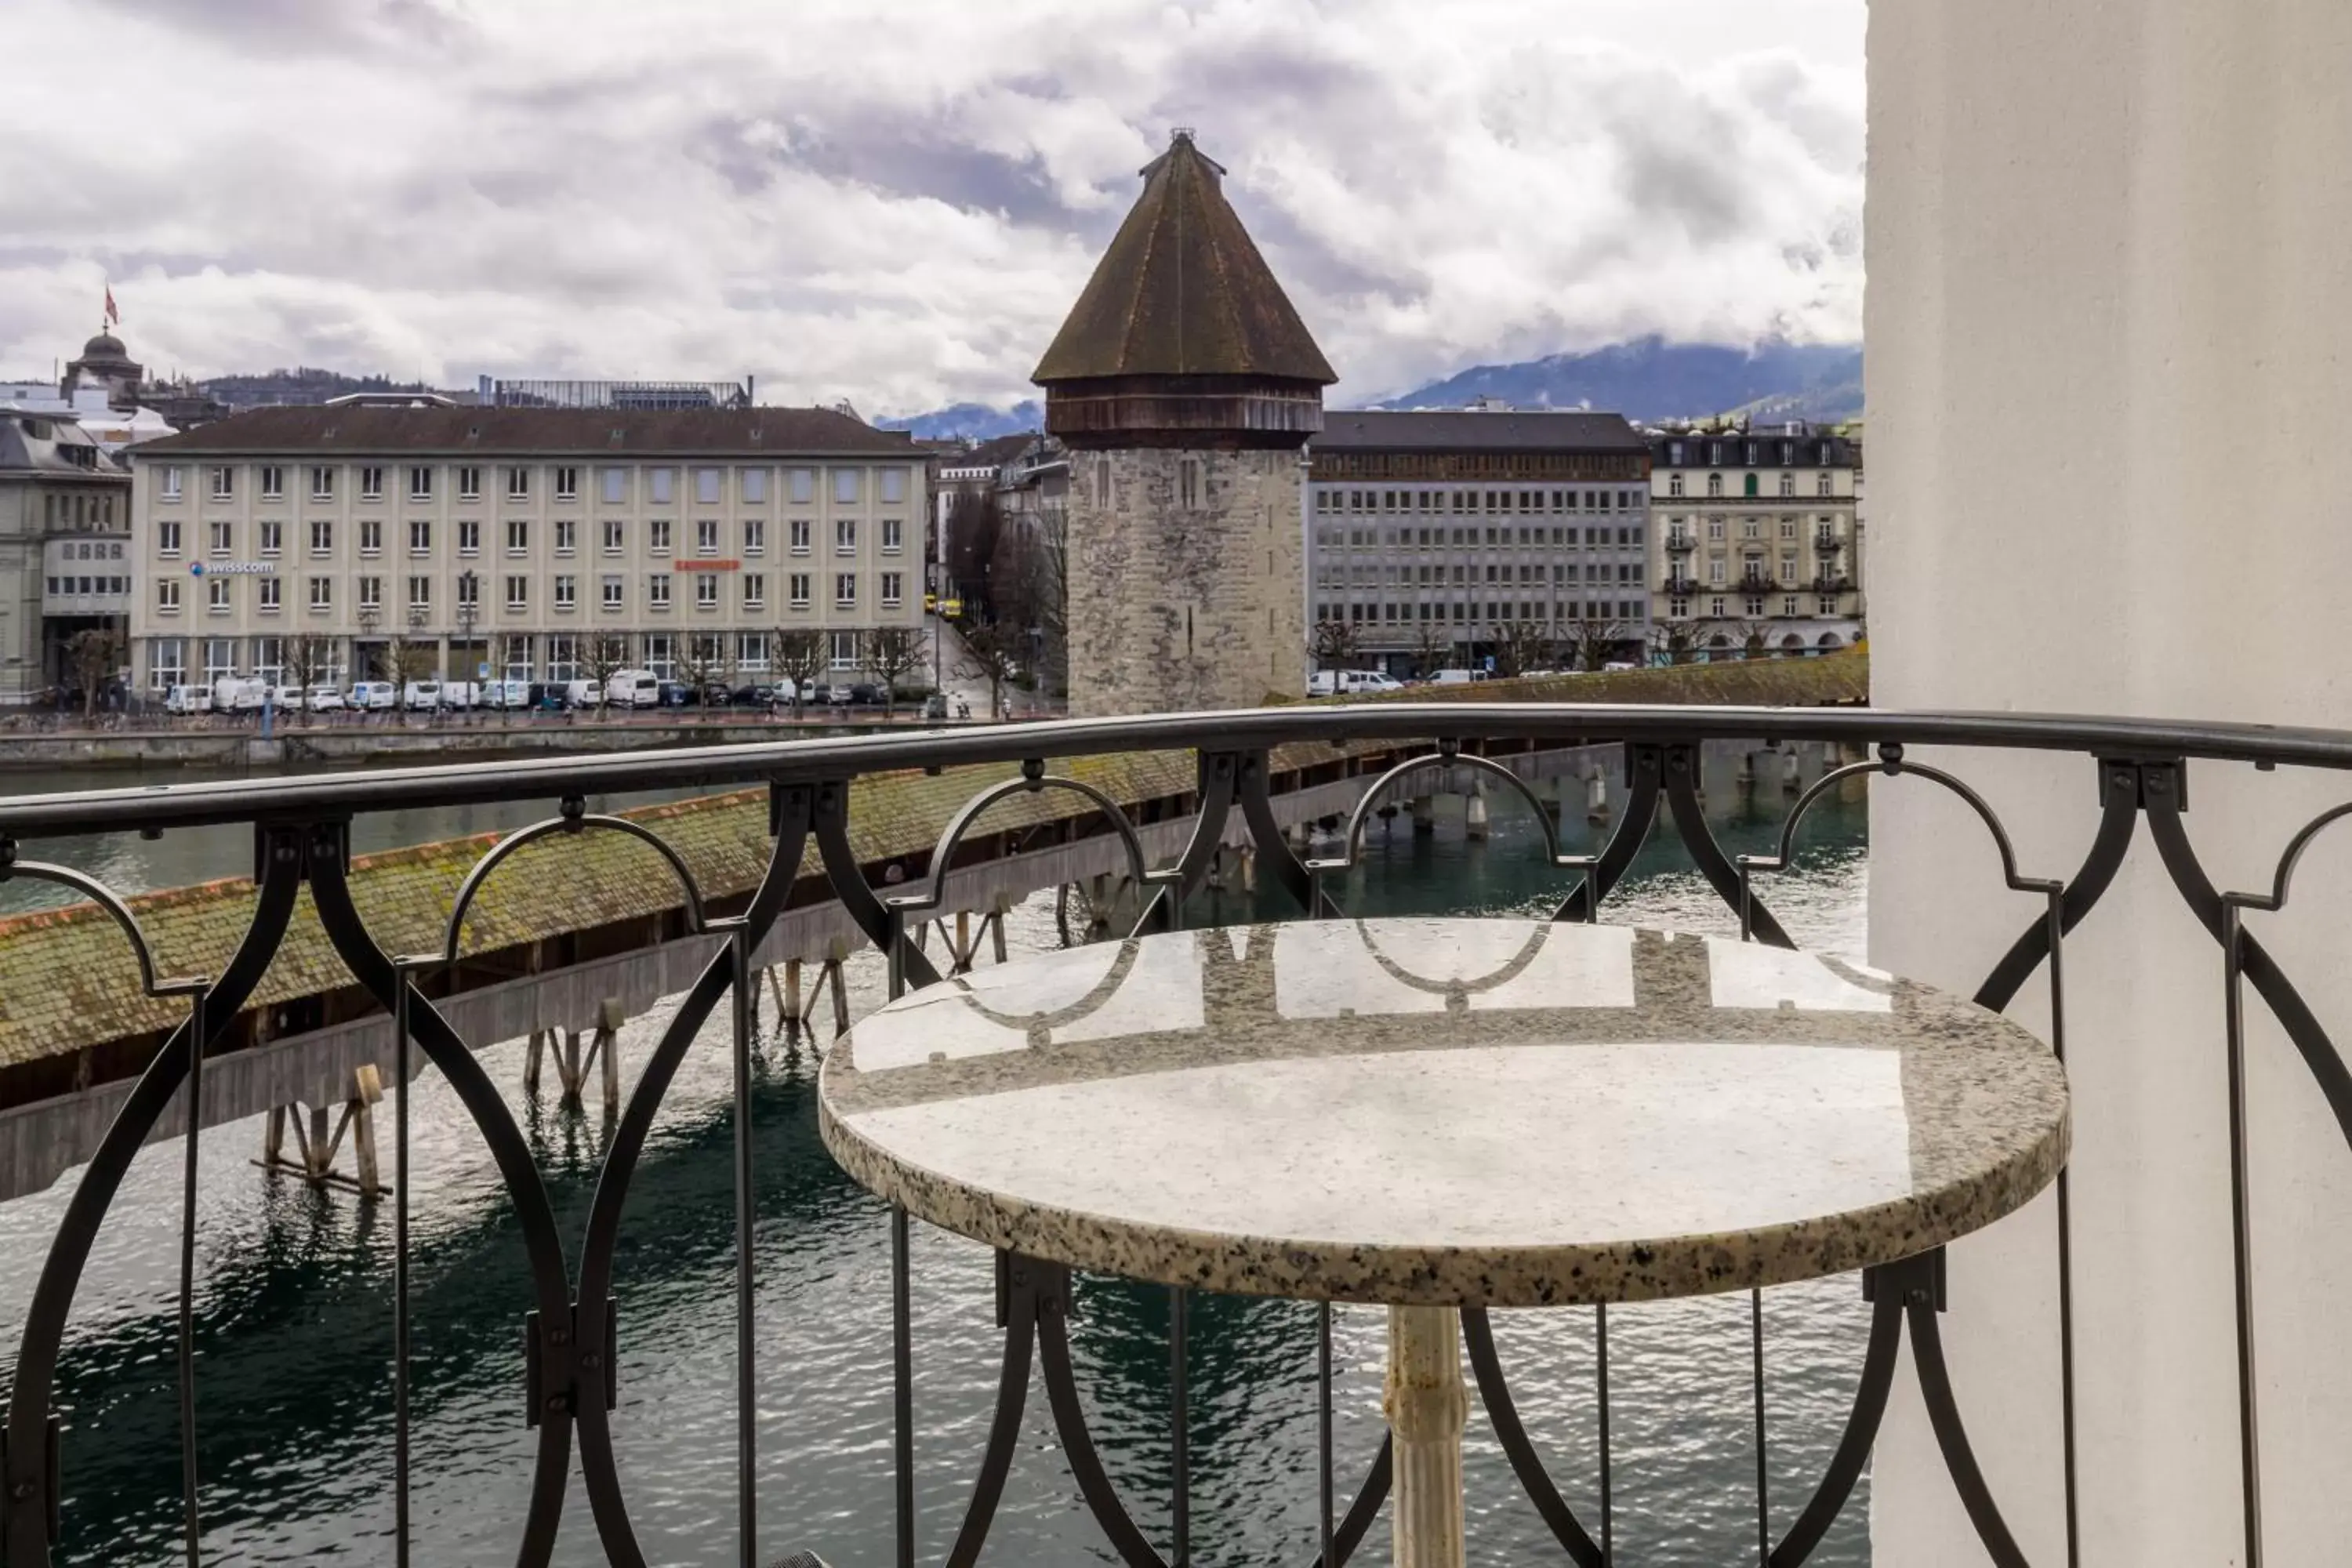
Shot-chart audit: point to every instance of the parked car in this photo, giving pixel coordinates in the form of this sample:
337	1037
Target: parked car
819	695
1351	682
509	694
372	694
633	689
323	699
841	695
714	694
421	696
758	694
582	694
1458	677
460	694
188	700
865	694
285	696
671	694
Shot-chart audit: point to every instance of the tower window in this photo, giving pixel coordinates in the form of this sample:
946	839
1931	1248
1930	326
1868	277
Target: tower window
1188	482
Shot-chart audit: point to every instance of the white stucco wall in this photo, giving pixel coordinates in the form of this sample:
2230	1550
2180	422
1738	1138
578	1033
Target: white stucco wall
2110	257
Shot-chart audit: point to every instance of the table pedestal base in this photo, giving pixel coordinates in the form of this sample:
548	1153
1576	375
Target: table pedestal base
1427	1408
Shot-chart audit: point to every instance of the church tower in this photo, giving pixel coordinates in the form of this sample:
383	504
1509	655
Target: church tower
1184	385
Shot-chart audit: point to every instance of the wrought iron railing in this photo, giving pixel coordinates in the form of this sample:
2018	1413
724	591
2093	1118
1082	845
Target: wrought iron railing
302	836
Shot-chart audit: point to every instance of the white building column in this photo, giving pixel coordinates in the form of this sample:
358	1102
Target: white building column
2110	257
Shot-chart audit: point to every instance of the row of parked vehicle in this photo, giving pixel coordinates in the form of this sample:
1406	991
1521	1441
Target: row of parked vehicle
628	688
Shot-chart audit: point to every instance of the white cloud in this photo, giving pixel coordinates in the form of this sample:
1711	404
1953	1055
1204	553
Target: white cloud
897	203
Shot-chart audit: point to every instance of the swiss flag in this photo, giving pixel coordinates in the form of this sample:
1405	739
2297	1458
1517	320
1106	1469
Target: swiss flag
112	314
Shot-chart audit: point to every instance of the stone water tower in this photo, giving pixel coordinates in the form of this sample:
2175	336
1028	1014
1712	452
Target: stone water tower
1184	386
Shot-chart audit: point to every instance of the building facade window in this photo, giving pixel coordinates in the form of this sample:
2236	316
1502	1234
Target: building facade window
518	483
755	487
469	482
567	590
420	483
658	482
420	537
223	482
706	487
845	536
518	536
168	482
371	536
567	535
470	536
894	487
705	532
657	536
755	590
893	585
323	537
322	483
845	487
894	533
273	482
567	484
218	591
273	536
615	535
612	599
802	483
844	590
800	536
167	595
167	539
322	593
844	650
800	590
657	591
266	595
517	592
420	592
371	593
706	590
755	536
372	483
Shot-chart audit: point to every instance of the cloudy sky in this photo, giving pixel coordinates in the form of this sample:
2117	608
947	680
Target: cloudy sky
895	201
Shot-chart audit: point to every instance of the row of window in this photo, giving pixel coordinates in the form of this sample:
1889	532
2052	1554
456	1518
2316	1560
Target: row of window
1541	610
1751	567
708	533
77	510
1751	486
1438	576
90	549
1752	607
1493	538
522	656
80	584
1825	529
270	592
709	484
1331	499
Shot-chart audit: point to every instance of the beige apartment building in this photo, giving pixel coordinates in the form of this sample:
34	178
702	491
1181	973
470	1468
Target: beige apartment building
506	540
1756	543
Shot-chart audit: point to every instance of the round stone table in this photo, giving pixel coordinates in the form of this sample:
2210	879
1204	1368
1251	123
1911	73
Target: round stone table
1430	1114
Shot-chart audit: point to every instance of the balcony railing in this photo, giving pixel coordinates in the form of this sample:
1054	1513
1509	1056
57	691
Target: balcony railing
302	835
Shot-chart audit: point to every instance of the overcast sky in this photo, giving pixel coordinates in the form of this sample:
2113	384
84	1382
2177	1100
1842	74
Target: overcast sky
896	201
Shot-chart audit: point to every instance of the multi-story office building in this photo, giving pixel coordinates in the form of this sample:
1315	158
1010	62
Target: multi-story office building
1439	536
65	531
520	542
1758	547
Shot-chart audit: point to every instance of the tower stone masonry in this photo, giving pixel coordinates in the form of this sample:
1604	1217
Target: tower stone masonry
1185	385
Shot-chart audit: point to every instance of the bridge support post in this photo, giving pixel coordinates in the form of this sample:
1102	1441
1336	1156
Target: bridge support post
1596	796
534	1057
1425	817
1473	817
316	1144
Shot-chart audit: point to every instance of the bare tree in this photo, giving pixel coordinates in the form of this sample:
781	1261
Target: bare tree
1429	651
1335	644
890	653
604	655
92	656
801	657
976	529
701	661
1750	635
1029	586
1521	646
1594	643
1675	642
992	652
405	658
307	657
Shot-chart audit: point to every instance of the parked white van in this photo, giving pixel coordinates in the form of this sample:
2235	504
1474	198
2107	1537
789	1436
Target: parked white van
460	694
1351	682
580	694
188	700
506	694
419	694
371	694
634	688
1459	677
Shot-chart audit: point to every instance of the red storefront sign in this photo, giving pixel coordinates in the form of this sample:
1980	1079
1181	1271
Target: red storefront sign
707	566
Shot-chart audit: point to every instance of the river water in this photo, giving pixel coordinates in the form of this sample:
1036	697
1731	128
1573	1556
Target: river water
293	1314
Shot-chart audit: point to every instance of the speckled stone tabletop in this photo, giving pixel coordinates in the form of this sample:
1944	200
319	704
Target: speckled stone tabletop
1446	1112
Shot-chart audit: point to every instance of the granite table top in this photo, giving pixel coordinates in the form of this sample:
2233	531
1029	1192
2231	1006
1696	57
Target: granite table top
1446	1112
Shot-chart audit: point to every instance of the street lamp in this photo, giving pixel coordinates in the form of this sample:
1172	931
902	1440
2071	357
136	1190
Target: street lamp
470	611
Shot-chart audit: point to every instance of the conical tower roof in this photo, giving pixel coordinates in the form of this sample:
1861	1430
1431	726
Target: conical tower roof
1183	292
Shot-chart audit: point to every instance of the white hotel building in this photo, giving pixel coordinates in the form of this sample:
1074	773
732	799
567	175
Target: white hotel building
507	539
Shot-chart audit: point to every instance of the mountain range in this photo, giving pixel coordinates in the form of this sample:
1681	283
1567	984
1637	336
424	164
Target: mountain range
1647	380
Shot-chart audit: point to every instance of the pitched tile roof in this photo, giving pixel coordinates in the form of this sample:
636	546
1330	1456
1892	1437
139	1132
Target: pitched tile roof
1475	430
1182	290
